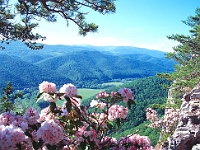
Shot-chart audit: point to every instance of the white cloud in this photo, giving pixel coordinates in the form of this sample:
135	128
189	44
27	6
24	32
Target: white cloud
73	38
87	40
166	45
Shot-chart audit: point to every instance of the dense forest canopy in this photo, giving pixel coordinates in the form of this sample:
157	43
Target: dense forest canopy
26	68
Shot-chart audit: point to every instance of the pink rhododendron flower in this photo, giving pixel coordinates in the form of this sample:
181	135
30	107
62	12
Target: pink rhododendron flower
139	140
50	132
20	123
50	98
83	134
65	113
126	93
18	120
113	94
101	105
132	148
34	136
31	116
7	118
93	103
106	141
79	134
24	126
102	95
69	89
47	87
10	136
45	115
92	135
117	111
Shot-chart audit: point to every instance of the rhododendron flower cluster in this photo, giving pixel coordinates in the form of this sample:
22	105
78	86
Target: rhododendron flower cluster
151	114
70	126
95	103
31	116
134	141
11	136
102	95
117	111
50	132
85	133
126	94
130	142
167	123
69	89
47	87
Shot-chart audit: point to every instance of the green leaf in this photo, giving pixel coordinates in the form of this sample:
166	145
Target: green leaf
51	147
82	145
79	96
112	99
92	144
52	106
39	97
68	104
60	94
118	122
130	102
110	124
78	123
19	146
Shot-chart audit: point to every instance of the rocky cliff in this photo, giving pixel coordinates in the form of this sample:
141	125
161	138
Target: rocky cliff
187	133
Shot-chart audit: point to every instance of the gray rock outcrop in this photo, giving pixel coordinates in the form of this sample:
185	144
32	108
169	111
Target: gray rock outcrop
187	133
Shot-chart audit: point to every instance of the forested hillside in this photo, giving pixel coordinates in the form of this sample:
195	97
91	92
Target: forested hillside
81	65
25	75
146	91
88	67
93	65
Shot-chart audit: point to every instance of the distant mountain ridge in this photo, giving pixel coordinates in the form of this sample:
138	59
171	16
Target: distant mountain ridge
62	64
53	50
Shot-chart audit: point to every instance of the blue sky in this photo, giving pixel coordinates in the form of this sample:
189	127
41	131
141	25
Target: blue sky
138	23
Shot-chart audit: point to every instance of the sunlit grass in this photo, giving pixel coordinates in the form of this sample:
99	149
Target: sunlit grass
87	93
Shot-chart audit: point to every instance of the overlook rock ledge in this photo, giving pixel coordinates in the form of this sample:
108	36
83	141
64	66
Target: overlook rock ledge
187	133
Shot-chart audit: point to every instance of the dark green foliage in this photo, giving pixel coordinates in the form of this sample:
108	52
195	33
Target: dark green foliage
25	75
8	97
91	65
186	54
29	100
10	29
146	91
142	130
33	10
85	67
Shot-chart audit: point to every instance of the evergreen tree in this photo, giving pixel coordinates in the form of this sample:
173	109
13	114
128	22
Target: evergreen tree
31	12
187	56
8	97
